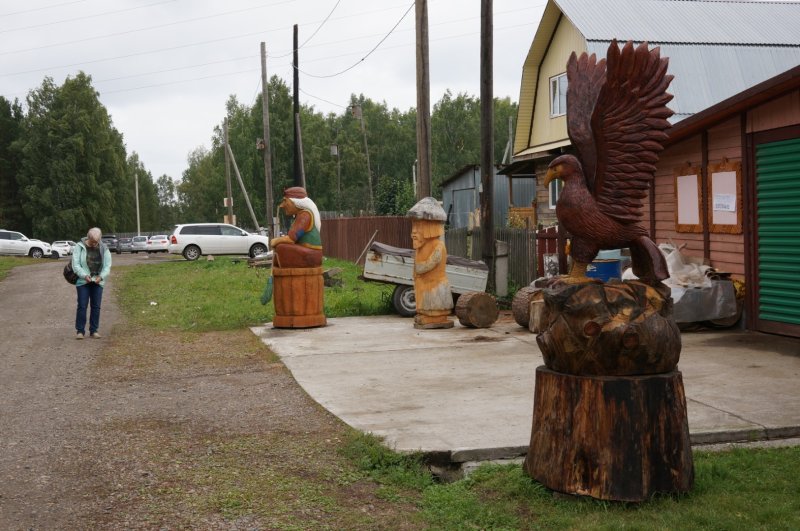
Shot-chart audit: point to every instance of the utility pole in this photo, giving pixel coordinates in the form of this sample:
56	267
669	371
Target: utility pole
423	102
359	113
267	149
298	170
487	142
229	197
136	184
335	151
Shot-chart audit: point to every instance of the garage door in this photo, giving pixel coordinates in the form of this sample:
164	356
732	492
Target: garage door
778	217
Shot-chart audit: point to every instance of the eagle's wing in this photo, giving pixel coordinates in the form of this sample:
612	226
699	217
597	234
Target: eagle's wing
629	126
585	77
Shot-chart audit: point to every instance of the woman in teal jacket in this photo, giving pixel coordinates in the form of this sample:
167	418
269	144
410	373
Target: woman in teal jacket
91	261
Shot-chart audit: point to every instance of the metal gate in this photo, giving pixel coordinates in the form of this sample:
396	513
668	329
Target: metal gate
778	232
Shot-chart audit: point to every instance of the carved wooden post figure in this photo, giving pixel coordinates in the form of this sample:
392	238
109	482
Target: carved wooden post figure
609	415
297	265
431	287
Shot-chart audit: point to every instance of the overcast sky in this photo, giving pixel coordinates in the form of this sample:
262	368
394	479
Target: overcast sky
164	68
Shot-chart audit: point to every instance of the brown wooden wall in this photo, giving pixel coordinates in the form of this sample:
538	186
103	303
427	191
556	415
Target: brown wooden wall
346	238
725	251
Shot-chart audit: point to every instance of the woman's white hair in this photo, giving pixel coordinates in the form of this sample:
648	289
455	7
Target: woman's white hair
307	204
94	234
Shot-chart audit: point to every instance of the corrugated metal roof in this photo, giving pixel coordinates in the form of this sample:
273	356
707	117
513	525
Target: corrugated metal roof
686	21
716	48
707	74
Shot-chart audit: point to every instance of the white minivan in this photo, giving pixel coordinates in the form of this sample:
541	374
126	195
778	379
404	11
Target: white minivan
194	240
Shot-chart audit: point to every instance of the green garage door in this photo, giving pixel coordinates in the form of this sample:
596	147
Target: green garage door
778	214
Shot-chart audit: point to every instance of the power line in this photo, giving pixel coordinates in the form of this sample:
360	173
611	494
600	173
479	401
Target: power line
321	24
288	66
212	76
158	26
368	53
177	68
323	99
86	17
41	8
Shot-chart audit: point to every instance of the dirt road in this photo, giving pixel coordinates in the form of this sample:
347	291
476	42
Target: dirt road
123	432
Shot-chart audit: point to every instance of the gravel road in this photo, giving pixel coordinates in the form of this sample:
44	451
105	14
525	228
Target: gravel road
76	417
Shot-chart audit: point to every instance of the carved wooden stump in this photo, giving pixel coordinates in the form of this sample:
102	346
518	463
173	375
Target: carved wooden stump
298	294
477	309
610	437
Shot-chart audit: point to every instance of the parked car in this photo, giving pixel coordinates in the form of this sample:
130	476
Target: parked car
126	245
47	249
158	243
193	240
111	242
16	243
139	243
62	248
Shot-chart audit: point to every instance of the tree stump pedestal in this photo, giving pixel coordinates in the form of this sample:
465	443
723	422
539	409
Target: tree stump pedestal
618	438
298	295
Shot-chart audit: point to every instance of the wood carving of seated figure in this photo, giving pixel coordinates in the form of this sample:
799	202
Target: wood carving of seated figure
302	246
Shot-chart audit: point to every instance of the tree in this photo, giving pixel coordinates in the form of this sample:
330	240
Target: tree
73	174
11	214
168	214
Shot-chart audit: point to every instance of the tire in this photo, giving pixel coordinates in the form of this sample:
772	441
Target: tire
54	255
257	249
191	252
36	253
403	301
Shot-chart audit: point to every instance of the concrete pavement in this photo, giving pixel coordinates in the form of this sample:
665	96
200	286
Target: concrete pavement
463	395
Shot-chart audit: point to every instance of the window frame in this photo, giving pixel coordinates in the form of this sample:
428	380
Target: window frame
557	185
555	87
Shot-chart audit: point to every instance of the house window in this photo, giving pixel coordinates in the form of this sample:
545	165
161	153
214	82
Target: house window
554	189
558	95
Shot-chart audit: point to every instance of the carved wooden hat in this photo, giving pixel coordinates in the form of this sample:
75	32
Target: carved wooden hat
428	208
295	192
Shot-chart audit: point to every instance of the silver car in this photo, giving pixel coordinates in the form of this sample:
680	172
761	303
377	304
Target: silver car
139	243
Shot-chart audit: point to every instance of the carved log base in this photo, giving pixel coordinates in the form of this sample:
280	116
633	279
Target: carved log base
298	295
431	320
620	438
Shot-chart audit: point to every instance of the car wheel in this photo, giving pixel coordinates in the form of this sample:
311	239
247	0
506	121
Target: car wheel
54	255
36	252
257	249
404	301
191	252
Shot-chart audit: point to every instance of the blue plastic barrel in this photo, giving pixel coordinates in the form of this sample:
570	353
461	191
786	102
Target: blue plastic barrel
604	270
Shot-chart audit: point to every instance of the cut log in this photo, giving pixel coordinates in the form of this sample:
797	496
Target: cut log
477	309
618	438
521	305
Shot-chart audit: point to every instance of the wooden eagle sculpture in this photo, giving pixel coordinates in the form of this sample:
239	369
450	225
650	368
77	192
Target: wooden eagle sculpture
617	122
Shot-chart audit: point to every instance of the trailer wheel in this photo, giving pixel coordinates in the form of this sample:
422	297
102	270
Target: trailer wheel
403	301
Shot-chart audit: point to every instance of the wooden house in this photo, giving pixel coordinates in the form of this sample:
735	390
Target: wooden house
737	111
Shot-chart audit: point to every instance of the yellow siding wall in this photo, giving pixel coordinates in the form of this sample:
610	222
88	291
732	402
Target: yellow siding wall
566	40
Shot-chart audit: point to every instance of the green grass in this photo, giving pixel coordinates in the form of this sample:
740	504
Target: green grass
7	263
737	489
225	294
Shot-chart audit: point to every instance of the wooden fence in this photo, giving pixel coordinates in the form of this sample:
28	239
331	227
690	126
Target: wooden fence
346	239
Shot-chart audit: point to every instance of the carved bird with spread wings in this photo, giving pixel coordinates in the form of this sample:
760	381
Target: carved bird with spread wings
617	122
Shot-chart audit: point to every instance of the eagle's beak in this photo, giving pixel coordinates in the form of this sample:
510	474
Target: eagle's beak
552	174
